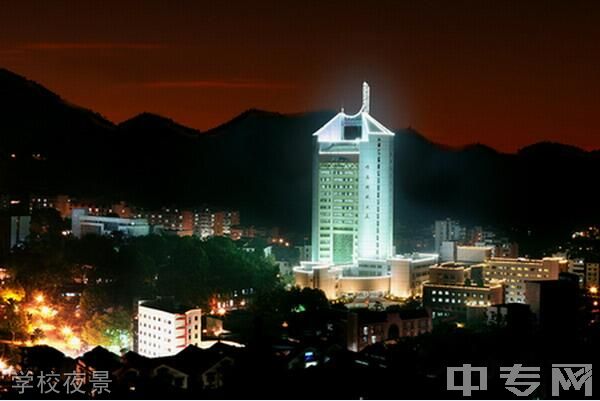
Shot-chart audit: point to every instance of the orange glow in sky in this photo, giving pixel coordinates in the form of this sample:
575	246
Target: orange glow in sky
506	74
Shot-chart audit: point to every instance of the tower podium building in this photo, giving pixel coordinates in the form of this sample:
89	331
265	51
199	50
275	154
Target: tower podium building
352	206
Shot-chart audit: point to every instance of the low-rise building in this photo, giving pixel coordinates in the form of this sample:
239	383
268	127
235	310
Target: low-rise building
473	253
452	251
14	230
409	273
554	303
165	327
192	369
400	276
448	251
83	224
366	327
587	272
98	359
512	316
516	272
453	288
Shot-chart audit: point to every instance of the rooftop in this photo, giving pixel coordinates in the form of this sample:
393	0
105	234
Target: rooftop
370	316
352	128
167	304
525	260
100	358
449	265
193	360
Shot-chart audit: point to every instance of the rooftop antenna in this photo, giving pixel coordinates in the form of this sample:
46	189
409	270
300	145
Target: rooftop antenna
365	98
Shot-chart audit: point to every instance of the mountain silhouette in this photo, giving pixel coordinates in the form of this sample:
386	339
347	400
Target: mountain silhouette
261	162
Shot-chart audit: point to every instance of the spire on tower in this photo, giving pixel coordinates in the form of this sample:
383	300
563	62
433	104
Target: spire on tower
365	98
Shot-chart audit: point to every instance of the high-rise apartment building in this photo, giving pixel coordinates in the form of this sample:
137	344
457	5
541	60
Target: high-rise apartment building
215	223
448	230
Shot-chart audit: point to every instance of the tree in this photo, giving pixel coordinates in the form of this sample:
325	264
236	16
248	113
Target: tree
308	299
12	291
15	321
100	252
46	222
96	298
109	329
186	273
37	335
299	308
41	264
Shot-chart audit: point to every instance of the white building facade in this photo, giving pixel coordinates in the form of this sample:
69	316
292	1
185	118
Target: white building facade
353	188
165	328
353	211
83	224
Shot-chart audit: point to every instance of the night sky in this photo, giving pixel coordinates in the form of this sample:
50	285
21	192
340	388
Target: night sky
502	73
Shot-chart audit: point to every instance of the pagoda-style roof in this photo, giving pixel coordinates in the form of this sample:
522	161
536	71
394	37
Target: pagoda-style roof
352	128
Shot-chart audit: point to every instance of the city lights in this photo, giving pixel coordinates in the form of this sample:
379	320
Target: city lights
299	249
43	316
8	294
47	312
74	342
5	368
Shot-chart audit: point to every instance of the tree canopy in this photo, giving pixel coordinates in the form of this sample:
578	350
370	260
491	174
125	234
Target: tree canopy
118	271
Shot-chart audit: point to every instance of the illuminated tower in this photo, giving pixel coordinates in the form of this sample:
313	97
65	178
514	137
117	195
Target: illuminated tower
352	215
